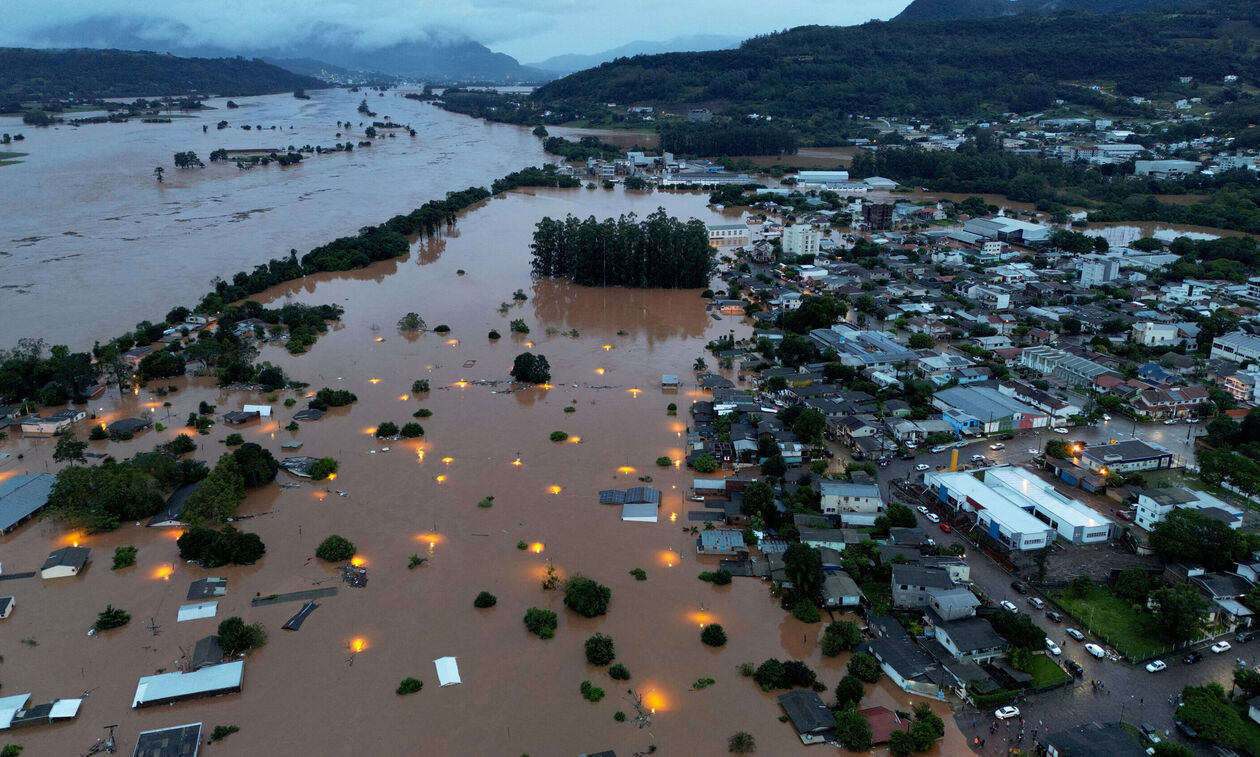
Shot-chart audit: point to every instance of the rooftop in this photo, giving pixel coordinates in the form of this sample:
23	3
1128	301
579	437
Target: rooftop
983	403
23	496
1027	490
176	741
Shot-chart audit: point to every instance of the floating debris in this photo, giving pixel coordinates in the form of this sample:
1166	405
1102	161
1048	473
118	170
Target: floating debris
354	576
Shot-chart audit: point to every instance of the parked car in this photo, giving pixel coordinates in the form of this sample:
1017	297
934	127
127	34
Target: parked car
1192	658
1106	417
1186	730
1074	667
1150	732
1009	711
947	528
1007	437
1221	646
1008	605
940	448
1095	650
978	459
1124	514
1037	602
1054	616
933	517
1193	420
1053	648
1059	430
906	456
1075	634
1154	666
997	446
1170	422
911	445
1243	637
1034	451
1019	587
923	509
922	467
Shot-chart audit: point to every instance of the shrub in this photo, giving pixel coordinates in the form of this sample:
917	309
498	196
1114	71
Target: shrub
522	545
111	617
619	716
485	599
849	692
410	322
423	412
234	440
486	502
124	557
706	463
671	409
570	409
741	742
323	468
495	335
335	548
419	385
386	429
559	436
703	683
222	732
541	622
805	611
600	650
841	635
720	577
864	667
442	328
591	693
586	597
518	326
619	672
326	398
293	426
664	461
713	635
411	430
236	637
529	368
289	402
639	574
410	685
98	433
415	561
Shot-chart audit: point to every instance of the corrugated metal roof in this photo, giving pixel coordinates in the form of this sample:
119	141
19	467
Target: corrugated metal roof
22	496
170	686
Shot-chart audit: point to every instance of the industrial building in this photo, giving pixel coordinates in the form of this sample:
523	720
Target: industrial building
1073	520
981	410
999	517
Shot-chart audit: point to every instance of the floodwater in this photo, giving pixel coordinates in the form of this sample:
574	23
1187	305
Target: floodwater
1123	233
310	692
91	243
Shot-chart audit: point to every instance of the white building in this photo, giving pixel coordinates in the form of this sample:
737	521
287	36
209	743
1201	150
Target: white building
1151	334
1236	347
64	562
1096	271
1153	505
1074	520
728	234
839	497
994	297
801	239
996	515
1162	169
820	179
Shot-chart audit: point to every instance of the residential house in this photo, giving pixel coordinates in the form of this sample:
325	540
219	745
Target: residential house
840	497
1095	740
22	497
911	585
1150	334
883	722
973	638
1153	505
1244	386
7	605
721	541
64	562
814	722
1129	456
839	590
1170	401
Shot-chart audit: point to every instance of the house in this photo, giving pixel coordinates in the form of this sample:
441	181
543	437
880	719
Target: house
1170	401
1128	456
911	585
813	721
839	590
125	426
176	741
728	234
839	497
830	538
171	516
166	688
1095	740
7	605
34	425
64	562
905	663
981	410
1150	334
207	588
952	604
883	722
237	417
973	638
1244	385
21	497
208	651
721	541
1153	505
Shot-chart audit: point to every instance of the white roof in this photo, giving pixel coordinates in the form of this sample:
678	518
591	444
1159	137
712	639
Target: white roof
9	707
263	411
447	670
1000	508
197	611
1027	490
167	686
639	512
64	708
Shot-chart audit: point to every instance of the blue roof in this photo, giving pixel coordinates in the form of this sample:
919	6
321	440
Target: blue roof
23	496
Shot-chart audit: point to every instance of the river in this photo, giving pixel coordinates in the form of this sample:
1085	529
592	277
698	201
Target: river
310	692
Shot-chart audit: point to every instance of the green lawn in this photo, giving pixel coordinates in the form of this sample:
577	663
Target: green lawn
1131	632
1046	672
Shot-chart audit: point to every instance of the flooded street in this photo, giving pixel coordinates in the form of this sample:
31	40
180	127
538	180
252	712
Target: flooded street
91	243
308	692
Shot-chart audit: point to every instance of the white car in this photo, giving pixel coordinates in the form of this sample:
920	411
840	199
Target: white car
940	448
1106	417
1075	634
932	517
911	445
1036	602
1053	648
1221	646
922	467
1154	666
1193	420
1170	422
1034	451
923	509
1059	430
1095	650
1005	605
1009	711
998	446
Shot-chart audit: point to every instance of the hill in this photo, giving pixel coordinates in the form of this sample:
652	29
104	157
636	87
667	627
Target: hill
961	10
817	76
567	64
85	74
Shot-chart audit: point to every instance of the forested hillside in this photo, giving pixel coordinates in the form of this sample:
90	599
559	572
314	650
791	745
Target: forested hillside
815	74
957	10
86	74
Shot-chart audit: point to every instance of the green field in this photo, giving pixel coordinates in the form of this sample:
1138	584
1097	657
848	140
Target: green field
1132	632
1046	672
8	158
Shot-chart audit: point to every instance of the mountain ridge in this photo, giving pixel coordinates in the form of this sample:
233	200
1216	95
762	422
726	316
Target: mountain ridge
573	62
964	10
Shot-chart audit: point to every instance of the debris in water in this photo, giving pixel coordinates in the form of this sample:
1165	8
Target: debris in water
354	576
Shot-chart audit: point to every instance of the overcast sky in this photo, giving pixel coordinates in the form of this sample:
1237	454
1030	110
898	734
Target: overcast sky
529	30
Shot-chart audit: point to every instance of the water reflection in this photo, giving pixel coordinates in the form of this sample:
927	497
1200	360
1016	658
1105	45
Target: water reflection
657	315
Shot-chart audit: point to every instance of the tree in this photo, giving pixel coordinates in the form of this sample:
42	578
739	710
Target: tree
69	449
849	692
541	622
409	685
124	557
1210	712
705	463
323	468
864	667
258	466
157	172
840	636
485	599
741	742
1188	536
775	466
1133	584
236	637
713	635
1058	448
769	674
802	566
920	341
809	426
335	548
386	430
111	617
1018	629
411	322
600	650
853	731
900	516
219	494
529	368
1181	612
901	744
586	597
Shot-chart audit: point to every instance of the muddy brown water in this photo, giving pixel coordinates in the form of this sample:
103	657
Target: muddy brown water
308	692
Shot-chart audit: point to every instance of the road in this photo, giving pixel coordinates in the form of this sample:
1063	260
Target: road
1128	693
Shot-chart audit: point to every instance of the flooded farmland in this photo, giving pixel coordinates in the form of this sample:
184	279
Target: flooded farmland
311	692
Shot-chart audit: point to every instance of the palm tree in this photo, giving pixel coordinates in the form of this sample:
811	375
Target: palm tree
158	171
